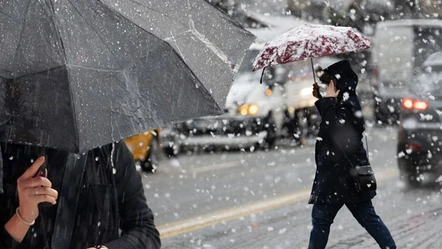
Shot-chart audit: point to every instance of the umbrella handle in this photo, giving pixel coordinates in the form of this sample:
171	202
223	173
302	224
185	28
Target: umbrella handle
313	71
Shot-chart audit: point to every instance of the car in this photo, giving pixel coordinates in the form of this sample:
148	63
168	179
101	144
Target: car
420	131
222	132
256	114
145	149
399	49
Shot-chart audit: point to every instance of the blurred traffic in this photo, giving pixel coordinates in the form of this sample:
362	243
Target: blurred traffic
261	149
281	112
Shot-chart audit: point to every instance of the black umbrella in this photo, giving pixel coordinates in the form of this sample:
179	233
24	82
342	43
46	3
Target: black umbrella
78	74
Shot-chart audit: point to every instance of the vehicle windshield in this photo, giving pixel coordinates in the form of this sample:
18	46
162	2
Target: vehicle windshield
427	40
428	83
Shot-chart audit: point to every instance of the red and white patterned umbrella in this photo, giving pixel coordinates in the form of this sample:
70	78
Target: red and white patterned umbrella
310	41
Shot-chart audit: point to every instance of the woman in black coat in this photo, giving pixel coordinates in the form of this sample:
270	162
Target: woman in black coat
338	148
93	200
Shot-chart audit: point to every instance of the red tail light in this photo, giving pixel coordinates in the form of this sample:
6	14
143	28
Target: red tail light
413	147
414	104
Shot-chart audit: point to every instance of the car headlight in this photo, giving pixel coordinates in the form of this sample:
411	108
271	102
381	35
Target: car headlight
253	109
306	91
243	109
248	109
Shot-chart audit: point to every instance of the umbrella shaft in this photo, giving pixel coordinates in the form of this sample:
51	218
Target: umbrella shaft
313	70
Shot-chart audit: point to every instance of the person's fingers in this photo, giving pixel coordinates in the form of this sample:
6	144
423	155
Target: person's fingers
337	92
315	86
44	198
29	173
36	182
42	191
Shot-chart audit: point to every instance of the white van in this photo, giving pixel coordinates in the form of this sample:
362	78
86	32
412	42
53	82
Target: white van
399	49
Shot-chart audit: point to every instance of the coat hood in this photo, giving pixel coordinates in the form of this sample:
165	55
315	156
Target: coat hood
346	78
346	82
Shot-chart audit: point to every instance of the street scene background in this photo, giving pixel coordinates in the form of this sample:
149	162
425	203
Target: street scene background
189	188
243	179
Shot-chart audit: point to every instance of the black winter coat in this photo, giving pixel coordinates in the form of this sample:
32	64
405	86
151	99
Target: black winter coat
111	210
341	131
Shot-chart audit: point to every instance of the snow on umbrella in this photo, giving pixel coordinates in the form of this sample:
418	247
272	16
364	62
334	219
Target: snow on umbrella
310	41
78	74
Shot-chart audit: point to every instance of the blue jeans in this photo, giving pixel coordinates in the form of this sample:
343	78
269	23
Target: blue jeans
323	215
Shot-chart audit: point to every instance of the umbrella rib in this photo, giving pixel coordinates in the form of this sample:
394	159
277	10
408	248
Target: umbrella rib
10	17
57	30
42	71
95	68
21	34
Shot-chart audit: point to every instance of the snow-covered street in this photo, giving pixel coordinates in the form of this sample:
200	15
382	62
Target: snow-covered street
259	200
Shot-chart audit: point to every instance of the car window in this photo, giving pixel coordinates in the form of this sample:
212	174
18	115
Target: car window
427	40
428	84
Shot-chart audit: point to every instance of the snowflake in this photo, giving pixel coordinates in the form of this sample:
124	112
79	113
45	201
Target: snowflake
345	96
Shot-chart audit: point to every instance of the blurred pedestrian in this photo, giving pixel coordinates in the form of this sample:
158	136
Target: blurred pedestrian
95	200
339	146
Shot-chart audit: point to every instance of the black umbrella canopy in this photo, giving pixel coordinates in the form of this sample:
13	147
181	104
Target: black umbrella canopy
78	74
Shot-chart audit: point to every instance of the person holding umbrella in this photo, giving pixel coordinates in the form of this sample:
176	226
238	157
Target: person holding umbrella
338	147
77	203
339	151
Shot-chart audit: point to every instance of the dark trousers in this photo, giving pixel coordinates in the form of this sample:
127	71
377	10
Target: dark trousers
324	214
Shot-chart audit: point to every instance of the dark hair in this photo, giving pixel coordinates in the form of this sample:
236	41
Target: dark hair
324	76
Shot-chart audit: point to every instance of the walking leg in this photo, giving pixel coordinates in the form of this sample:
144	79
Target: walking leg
322	218
366	216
